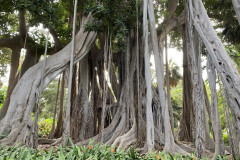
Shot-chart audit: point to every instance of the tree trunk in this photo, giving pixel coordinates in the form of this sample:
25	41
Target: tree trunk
73	113
84	68
232	130
216	124
55	111
13	73
198	97
59	129
66	123
168	89
14	65
107	51
170	145
194	47
209	143
149	115
187	123
91	126
221	60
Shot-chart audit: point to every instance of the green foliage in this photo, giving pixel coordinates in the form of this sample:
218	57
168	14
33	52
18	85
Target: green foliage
176	39
3	93
49	100
176	100
89	152
47	108
54	14
44	126
234	53
225	137
5	58
174	73
223	13
7	18
114	16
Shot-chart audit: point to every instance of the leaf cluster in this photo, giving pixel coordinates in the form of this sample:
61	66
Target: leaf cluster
116	16
49	13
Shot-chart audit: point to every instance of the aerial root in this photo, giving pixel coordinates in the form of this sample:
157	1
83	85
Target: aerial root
10	139
106	133
185	147
119	130
46	141
127	139
173	149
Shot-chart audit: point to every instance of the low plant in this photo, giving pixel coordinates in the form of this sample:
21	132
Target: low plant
88	152
225	137
3	92
44	127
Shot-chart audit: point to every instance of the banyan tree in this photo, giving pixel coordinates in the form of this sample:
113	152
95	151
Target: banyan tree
111	98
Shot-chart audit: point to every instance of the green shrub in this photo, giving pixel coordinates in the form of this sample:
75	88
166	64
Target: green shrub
3	93
44	127
225	137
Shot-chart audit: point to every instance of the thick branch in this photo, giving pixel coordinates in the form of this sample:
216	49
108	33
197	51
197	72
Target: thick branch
171	8
162	31
22	24
11	42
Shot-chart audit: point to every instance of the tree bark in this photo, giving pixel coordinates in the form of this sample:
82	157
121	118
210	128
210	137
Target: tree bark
14	65
84	67
59	129
194	47
149	116
216	124
198	97
55	111
170	145
209	143
187	123
168	89
66	128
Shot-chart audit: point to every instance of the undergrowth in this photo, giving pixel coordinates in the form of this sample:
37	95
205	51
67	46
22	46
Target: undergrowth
89	152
